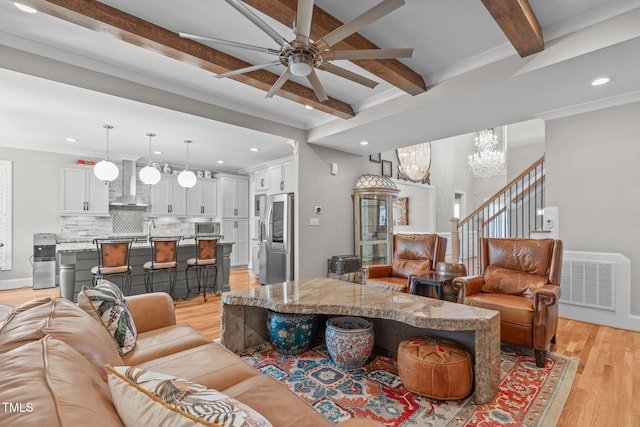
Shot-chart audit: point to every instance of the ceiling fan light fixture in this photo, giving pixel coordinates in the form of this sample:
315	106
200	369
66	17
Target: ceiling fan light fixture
300	64
301	69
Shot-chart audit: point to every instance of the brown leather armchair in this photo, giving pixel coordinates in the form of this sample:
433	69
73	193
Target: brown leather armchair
413	254
521	280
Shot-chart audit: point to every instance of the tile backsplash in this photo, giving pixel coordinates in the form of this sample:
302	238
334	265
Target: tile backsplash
123	220
128	220
89	226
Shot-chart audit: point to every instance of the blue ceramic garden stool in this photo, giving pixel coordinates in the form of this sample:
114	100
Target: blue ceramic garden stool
291	333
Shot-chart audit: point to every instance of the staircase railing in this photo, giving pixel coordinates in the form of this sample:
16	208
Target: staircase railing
513	211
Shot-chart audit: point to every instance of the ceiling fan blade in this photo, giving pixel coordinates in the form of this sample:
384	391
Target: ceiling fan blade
317	86
357	54
350	75
353	26
229	43
278	84
244	10
303	21
247	69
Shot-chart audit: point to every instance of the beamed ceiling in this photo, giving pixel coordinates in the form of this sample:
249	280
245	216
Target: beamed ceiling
514	17
78	64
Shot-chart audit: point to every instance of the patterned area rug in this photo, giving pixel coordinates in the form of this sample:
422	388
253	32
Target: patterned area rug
529	396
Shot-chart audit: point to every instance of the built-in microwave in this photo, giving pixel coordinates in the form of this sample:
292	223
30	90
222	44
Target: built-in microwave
207	228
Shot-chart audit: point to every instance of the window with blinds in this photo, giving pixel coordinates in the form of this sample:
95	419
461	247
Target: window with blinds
5	214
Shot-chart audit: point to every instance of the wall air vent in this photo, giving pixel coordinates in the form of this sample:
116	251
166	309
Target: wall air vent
588	283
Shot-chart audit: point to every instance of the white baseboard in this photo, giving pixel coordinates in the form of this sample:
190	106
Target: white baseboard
599	317
15	283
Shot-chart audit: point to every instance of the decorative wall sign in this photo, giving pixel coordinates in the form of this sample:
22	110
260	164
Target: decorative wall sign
375	157
403	218
387	168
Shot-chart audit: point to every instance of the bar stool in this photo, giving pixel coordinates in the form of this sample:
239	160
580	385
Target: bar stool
164	257
205	259
113	261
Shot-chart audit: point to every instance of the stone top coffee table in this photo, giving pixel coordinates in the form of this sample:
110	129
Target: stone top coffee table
396	316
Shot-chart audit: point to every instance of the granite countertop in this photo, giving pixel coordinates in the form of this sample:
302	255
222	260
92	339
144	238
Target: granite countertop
140	242
328	296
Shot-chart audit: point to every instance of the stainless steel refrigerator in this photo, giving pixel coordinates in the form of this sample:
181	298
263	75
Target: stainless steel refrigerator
276	250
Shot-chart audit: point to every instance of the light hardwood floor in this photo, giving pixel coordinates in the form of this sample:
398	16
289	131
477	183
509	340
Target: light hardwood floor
606	390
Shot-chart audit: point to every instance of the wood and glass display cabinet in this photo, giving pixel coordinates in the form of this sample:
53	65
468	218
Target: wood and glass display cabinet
373	198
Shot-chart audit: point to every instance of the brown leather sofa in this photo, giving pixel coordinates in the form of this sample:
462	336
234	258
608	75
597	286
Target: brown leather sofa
413	254
521	279
52	358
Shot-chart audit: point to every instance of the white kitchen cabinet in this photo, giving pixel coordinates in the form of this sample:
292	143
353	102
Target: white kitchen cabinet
202	198
237	231
234	196
168	198
255	253
282	178
233	201
261	180
82	193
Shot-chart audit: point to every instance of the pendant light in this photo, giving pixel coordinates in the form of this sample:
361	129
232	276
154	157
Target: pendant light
105	170
148	174
186	178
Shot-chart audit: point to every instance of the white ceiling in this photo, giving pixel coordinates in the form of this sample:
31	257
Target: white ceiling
60	80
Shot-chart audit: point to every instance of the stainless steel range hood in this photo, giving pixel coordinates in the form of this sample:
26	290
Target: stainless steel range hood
129	197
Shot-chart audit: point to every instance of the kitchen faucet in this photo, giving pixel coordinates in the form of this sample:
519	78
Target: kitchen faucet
150	224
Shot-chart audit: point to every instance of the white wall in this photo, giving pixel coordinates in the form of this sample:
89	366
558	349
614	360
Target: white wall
592	177
317	187
525	145
35	204
450	174
422	207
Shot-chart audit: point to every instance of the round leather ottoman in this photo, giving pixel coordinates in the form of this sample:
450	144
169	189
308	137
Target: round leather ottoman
435	367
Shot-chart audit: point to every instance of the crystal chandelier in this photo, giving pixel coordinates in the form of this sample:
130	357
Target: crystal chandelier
487	160
414	162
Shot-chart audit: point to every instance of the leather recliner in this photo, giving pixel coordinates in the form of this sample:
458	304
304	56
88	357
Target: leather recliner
520	279
413	254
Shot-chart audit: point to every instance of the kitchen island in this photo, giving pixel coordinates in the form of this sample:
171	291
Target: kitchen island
77	258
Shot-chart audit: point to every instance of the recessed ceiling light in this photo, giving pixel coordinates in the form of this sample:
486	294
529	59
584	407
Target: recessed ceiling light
600	81
364	142
72	139
24	7
255	149
308	107
157	152
221	161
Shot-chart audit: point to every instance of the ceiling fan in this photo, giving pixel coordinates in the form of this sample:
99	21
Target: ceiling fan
302	56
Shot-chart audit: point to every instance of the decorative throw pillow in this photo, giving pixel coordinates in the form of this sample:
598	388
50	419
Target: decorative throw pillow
105	302
148	398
